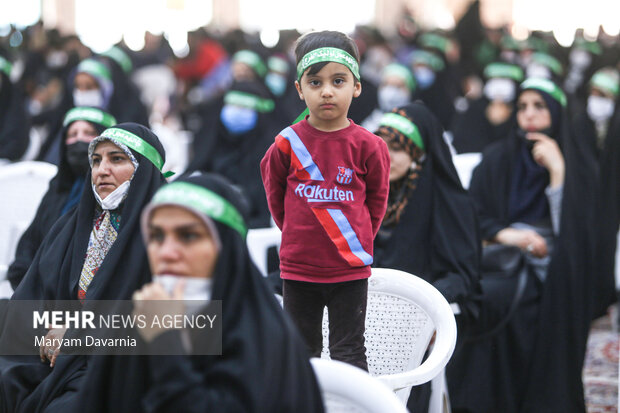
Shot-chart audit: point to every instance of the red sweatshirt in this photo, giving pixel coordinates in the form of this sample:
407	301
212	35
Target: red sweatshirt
327	191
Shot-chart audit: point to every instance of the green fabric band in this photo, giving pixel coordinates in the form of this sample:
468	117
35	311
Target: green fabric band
504	70
250	101
427	58
404	126
547	86
548	61
94	68
328	54
136	143
606	82
120	57
202	200
434	41
251	59
93	115
395	69
5	66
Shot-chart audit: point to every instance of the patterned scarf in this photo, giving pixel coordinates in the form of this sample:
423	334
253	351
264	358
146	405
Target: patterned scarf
401	189
102	237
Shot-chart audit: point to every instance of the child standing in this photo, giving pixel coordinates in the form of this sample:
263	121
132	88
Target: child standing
327	182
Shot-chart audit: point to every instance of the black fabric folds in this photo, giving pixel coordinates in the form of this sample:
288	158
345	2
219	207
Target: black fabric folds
26	384
263	367
14	123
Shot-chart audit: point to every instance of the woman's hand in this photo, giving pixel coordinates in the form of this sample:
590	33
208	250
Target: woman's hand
526	239
547	153
54	337
145	303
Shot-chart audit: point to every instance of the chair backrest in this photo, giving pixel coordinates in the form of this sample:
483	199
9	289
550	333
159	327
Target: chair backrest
22	185
259	241
346	388
402	314
465	164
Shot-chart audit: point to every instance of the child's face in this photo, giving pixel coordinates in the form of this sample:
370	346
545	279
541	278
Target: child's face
328	95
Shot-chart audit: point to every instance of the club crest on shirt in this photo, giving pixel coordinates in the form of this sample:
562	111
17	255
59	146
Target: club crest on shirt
345	175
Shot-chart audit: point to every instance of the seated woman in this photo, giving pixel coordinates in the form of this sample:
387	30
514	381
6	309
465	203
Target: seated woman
80	126
535	191
194	230
92	253
430	226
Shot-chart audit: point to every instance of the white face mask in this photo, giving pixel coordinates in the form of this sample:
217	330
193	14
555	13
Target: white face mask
92	98
196	288
499	89
114	199
600	108
391	97
580	58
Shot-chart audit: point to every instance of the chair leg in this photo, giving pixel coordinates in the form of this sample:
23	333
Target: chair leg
439	401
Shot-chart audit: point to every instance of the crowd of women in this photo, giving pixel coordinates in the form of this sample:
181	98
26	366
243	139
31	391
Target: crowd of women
114	223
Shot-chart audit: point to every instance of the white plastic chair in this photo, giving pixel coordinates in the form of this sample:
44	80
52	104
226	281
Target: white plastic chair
346	388
465	164
402	314
22	185
259	240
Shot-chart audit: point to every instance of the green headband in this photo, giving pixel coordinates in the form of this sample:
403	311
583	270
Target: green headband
427	58
94	68
5	66
395	69
434	41
137	144
328	54
404	126
91	115
504	70
606	81
120	57
592	47
251	59
250	101
202	200
546	86
549	61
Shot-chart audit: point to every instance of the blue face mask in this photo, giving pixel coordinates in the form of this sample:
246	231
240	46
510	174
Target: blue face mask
238	120
276	83
424	76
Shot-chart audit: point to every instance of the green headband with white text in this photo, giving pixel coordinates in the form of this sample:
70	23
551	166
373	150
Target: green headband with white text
201	200
247	100
328	54
404	126
137	144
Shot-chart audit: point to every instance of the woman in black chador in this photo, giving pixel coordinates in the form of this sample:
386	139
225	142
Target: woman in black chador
93	253
236	133
430	227
14	126
535	191
194	230
80	126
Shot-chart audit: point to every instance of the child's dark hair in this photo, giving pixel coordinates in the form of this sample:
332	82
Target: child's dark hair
315	40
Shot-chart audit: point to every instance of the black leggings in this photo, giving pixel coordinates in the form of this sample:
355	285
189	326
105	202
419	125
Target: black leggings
346	305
